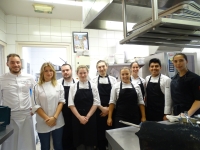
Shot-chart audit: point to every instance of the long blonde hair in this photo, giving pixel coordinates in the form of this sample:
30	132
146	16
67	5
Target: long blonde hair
53	79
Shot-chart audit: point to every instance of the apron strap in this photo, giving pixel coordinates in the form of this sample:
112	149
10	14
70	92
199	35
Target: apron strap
121	85
63	81
106	77
150	79
88	85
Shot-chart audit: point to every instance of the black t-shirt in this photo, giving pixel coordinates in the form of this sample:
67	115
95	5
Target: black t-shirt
189	88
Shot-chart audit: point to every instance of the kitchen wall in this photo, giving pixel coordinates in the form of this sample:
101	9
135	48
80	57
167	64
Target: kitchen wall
2	26
52	55
28	29
1	56
197	50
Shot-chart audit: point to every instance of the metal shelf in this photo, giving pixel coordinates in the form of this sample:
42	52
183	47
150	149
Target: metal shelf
167	32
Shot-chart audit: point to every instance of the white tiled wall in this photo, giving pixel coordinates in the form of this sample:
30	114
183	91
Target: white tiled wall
1	56
2	26
101	42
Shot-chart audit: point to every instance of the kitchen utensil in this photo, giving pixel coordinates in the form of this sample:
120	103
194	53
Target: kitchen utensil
130	124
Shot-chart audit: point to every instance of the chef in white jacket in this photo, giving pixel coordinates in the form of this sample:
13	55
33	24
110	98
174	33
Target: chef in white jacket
15	93
158	95
48	96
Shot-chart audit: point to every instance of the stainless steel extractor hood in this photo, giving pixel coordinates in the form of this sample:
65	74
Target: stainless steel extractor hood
98	13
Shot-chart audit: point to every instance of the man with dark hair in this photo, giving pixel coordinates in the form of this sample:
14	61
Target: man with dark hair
158	97
66	81
15	93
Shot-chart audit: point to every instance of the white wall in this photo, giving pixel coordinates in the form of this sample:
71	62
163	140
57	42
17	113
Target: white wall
1	57
197	50
28	29
26	58
2	26
41	55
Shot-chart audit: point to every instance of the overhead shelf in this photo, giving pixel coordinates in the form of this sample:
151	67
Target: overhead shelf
167	32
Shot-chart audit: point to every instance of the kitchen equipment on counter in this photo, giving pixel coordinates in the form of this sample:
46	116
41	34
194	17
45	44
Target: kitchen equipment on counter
119	58
4	117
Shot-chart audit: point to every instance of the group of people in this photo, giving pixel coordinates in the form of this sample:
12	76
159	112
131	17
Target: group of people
76	113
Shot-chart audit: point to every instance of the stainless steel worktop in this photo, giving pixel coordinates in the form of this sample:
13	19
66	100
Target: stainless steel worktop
5	134
125	138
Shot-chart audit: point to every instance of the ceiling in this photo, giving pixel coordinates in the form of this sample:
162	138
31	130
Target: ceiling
25	8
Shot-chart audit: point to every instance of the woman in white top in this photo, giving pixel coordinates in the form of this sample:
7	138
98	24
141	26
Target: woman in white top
135	78
83	101
48	97
125	98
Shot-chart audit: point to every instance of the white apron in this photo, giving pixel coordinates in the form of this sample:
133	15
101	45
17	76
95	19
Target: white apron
23	137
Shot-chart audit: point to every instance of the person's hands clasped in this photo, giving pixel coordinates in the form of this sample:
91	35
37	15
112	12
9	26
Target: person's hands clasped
83	119
51	121
104	111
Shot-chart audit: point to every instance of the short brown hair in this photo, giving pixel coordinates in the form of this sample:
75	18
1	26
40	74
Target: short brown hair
41	79
12	55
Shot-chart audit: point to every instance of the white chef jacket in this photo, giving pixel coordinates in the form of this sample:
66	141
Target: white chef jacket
67	83
104	80
47	97
83	85
137	80
165	88
116	89
15	91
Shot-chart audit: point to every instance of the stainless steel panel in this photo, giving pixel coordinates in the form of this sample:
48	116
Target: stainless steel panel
187	34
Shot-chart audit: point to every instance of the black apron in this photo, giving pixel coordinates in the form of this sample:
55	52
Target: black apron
182	101
84	134
142	88
67	139
127	107
104	93
155	101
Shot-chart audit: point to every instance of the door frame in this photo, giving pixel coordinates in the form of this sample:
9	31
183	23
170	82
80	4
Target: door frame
3	59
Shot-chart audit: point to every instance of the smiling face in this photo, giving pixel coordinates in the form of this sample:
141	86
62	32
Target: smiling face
48	73
125	75
180	63
82	74
14	64
154	68
102	68
135	69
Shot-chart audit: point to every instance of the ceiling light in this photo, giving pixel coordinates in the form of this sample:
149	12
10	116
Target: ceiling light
41	8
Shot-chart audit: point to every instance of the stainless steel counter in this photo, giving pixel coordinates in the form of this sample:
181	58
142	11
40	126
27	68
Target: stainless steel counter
124	138
5	134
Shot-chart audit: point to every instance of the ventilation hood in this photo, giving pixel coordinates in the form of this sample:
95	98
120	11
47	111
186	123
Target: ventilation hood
97	15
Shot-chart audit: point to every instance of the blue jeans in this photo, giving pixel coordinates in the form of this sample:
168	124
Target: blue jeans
57	139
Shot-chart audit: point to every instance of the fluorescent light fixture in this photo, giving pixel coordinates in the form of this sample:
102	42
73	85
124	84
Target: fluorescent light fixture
65	2
115	25
42	8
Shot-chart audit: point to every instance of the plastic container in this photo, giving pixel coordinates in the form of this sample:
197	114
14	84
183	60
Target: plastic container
119	58
111	59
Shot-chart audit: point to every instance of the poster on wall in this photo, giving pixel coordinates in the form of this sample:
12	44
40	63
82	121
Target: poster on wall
80	41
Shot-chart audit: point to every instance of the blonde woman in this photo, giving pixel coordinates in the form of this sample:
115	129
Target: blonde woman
125	98
48	96
83	101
